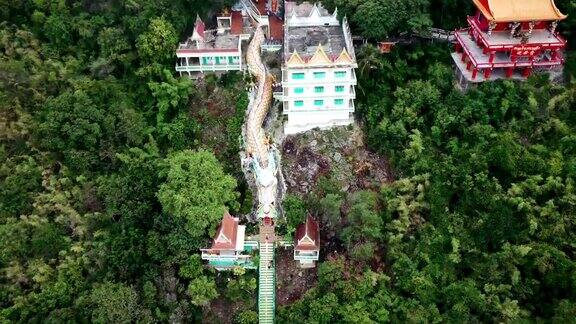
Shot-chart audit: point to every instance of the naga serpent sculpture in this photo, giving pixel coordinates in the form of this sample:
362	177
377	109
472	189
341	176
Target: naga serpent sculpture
258	145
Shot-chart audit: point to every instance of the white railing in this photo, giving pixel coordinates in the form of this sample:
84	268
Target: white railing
202	68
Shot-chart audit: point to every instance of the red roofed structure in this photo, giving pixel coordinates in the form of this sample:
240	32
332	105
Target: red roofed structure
199	27
227	233
307	243
505	36
229	245
237	23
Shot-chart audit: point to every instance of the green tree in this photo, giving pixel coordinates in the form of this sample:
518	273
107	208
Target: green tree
196	190
202	290
114	303
158	43
294	211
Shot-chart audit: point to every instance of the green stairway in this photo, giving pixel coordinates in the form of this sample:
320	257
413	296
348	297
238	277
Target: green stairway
266	284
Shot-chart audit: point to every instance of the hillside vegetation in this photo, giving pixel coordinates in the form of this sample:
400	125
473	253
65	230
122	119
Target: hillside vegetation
114	172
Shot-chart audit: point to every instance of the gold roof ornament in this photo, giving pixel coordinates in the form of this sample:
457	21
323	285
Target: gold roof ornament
295	59
519	10
320	57
344	58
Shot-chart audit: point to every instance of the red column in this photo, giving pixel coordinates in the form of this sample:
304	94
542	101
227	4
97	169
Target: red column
469	65
463	56
554	55
458	47
509	72
492	56
487	73
474	73
527	71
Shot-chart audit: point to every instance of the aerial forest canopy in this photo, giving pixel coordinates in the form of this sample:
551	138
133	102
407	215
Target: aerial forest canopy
114	173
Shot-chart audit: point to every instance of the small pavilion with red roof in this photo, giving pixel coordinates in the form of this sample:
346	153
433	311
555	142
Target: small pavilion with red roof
307	243
229	248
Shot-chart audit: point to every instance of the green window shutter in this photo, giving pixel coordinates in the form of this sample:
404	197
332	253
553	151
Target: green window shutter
298	76
339	88
298	103
319	75
340	74
318	89
298	90
230	59
318	103
338	102
217	60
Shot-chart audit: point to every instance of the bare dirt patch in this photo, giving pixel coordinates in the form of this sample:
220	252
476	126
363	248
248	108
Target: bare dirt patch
291	281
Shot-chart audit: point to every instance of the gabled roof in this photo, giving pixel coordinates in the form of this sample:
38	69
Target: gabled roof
307	235
344	58
295	59
226	235
320	57
199	29
519	10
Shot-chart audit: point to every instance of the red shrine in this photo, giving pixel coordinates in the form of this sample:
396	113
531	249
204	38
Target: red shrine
509	38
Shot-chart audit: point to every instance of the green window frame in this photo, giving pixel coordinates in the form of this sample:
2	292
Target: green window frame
338	102
298	90
206	60
318	103
340	74
318	89
319	75
339	88
298	103
298	76
231	59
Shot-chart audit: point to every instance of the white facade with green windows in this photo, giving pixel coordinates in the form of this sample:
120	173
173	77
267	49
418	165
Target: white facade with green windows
318	71
318	97
194	61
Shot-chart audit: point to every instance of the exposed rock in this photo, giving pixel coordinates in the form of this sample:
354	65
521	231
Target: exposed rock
338	153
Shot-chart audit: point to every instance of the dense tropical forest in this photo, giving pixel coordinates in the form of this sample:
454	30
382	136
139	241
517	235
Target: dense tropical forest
114	172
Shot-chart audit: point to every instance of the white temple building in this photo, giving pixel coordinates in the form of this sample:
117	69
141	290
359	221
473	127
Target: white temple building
318	72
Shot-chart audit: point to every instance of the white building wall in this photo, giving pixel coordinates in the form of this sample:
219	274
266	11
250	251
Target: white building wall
307	109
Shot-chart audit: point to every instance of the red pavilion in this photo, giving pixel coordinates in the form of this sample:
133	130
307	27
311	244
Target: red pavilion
509	38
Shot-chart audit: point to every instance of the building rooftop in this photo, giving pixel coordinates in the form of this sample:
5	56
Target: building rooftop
307	235
305	40
227	234
519	10
309	26
303	9
209	40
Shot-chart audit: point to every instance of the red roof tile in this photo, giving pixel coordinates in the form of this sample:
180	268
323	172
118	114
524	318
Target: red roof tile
237	23
276	27
275	6
261	5
226	234
199	26
307	235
